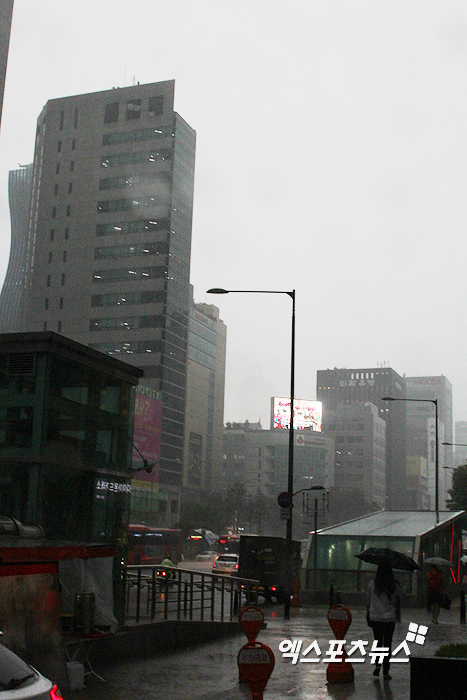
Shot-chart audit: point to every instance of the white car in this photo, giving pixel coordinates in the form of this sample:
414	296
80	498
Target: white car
206	556
225	564
19	681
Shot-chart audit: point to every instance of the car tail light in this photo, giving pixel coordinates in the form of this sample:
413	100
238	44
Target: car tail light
55	693
214	565
273	588
236	566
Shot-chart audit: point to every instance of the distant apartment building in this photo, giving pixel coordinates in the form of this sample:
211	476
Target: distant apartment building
109	239
12	297
421	431
6	12
346	387
360	462
202	466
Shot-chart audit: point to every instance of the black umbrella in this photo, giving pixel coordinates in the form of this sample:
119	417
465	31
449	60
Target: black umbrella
380	555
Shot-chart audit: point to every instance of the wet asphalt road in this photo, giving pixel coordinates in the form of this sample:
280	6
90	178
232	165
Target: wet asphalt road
210	672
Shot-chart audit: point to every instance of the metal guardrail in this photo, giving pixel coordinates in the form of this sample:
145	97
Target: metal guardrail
155	592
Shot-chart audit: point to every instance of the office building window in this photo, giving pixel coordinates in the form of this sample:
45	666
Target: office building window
66	234
72	165
139	135
151	156
68	210
133	110
73	144
52	234
156	106
64	256
59	146
46	304
50	256
62	119
54	212
48	281
160	224
75	121
70	187
134	273
63	279
111	113
60	303
57	168
55	190
59	327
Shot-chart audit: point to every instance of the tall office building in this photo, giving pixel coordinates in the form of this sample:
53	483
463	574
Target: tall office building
12	297
421	430
110	237
6	11
205	402
360	471
336	387
460	449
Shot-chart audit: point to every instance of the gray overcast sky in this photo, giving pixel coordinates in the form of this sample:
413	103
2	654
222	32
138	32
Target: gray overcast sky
331	159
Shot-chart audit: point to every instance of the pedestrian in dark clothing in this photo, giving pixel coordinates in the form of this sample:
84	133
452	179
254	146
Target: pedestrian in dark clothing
382	595
435	581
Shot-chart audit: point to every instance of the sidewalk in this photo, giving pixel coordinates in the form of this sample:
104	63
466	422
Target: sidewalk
210	672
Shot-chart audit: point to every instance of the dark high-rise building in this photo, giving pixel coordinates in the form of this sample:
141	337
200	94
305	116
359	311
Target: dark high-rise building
6	11
338	387
12	297
110	237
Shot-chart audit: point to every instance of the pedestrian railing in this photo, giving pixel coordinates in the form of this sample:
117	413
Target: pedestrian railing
155	592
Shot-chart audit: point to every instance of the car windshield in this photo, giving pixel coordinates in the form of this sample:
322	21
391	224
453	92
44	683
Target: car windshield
13	671
227	557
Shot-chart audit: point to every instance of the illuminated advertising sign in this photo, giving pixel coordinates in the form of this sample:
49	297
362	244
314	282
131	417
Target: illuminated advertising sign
307	414
147	433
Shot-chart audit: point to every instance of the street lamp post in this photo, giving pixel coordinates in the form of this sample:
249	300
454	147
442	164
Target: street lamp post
435	402
315	536
288	533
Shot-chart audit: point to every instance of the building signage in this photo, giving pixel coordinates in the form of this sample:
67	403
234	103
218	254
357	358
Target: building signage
307	414
147	431
103	487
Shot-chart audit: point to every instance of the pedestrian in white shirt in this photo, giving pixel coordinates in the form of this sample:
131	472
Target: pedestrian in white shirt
382	595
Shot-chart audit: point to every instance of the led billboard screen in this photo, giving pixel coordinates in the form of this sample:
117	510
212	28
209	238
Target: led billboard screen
307	414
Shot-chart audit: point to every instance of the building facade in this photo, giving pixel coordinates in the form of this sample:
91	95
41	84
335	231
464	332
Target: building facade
6	12
202	466
258	459
12	297
421	431
109	238
340	387
360	464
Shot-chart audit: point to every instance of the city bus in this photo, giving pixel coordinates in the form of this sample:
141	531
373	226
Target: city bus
150	545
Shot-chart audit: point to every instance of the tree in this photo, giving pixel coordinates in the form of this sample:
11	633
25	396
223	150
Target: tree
458	492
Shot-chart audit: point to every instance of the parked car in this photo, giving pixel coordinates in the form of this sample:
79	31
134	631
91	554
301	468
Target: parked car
225	564
206	556
19	681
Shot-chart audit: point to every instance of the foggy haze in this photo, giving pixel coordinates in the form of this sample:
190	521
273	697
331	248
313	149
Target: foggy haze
331	159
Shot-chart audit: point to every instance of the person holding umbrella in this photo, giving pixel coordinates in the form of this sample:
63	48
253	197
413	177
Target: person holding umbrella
435	581
382	594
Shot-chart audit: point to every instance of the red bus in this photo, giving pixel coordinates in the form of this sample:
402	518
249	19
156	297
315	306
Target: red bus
150	545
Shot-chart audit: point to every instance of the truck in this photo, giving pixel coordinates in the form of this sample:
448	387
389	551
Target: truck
265	559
